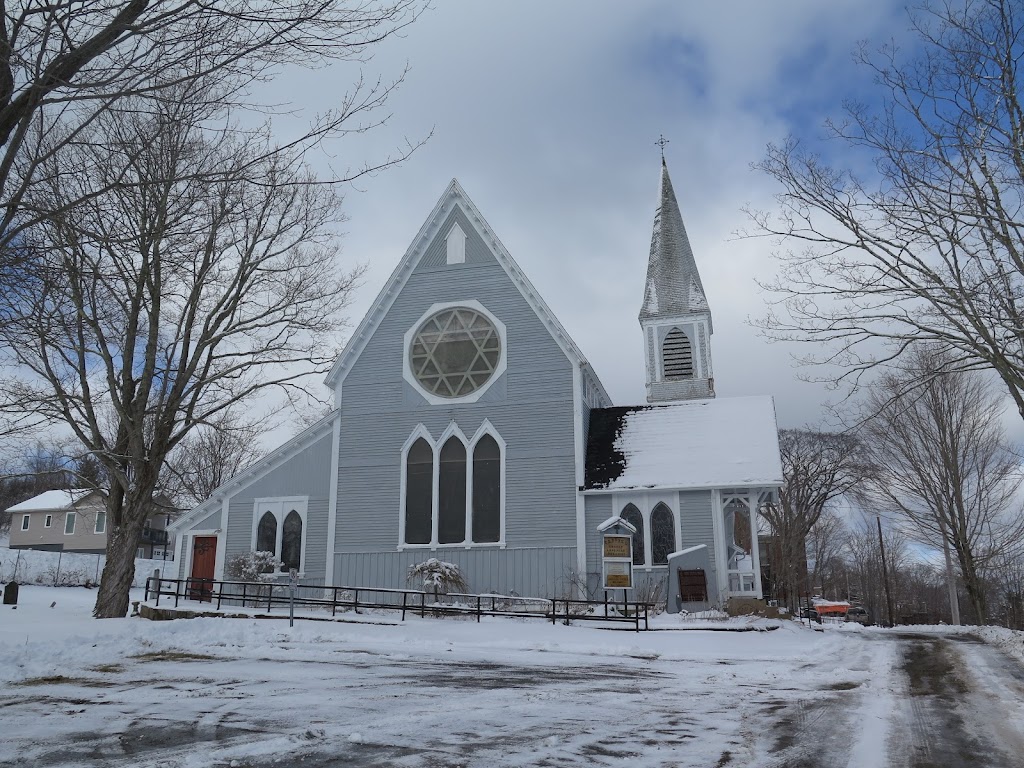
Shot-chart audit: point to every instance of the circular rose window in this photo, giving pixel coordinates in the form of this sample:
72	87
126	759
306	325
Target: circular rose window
455	352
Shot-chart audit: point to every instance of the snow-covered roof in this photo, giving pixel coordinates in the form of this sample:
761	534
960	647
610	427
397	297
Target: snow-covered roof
673	284
611	522
718	443
52	500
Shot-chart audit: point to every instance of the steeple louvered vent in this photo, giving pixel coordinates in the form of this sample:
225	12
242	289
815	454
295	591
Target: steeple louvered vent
677	355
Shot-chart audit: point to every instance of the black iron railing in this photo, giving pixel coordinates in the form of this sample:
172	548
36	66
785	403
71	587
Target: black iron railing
265	596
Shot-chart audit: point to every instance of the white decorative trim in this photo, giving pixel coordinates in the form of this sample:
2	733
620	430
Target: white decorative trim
453	196
499	369
580	474
455	245
220	562
188	539
332	501
485	428
645	502
280	507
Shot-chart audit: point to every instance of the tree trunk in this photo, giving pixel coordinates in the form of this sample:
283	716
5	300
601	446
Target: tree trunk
118	572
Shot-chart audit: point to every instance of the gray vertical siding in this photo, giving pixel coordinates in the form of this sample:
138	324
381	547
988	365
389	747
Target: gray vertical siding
308	473
598	509
695	521
527	572
531	407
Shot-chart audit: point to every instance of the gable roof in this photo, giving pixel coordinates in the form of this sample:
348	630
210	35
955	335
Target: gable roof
52	501
453	196
718	443
307	437
673	284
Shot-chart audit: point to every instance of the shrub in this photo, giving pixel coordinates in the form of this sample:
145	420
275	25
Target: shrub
438	575
253	566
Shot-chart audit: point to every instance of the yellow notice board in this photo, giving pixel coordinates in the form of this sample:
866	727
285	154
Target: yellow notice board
618	546
618	575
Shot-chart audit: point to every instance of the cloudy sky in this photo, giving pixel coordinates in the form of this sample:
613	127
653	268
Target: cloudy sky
547	113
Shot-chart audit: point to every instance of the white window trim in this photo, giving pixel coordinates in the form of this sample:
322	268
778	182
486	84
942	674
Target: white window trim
96	523
646	502
48	521
25	522
420	431
499	369
73	517
279	507
455	245
188	544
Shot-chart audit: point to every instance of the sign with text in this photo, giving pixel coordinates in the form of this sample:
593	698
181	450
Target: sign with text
617	561
618	546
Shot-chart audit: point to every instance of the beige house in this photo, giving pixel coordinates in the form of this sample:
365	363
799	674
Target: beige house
76	521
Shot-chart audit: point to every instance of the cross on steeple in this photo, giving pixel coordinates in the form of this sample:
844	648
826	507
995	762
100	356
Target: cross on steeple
660	143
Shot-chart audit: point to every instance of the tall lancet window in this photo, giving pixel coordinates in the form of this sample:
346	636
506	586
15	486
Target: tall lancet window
451	493
632	516
419	487
486	490
663	534
677	355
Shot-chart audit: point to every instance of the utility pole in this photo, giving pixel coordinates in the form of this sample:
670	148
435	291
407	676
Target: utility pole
885	572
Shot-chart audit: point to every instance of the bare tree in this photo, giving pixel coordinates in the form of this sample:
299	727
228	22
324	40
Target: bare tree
176	277
940	461
210	455
818	468
923	242
65	64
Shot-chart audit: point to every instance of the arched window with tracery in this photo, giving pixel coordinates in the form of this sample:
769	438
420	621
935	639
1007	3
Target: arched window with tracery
291	541
487	490
419	489
451	493
632	516
663	534
677	355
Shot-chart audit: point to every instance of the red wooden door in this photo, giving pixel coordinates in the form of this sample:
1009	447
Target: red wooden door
204	559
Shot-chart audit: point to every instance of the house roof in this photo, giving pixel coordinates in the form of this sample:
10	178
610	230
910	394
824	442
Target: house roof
50	501
718	443
673	285
454	195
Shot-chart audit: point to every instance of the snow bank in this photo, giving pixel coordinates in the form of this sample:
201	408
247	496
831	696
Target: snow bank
65	569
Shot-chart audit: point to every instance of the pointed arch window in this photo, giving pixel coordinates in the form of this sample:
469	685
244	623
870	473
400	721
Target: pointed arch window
266	533
451	493
663	534
677	355
487	490
419	487
291	542
632	516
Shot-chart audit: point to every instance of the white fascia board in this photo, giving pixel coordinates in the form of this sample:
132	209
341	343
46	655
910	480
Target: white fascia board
766	484
453	195
268	463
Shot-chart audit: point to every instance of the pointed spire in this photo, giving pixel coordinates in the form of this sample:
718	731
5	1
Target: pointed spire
673	283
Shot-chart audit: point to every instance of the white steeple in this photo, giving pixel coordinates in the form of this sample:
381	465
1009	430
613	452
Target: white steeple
675	316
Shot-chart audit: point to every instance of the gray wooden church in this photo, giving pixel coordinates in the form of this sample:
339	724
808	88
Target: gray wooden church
468	426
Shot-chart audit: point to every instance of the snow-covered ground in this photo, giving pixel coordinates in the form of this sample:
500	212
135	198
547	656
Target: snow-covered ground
438	692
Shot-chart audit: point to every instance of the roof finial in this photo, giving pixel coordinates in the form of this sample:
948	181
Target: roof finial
660	143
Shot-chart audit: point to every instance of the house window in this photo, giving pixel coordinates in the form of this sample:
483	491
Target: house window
460	503
69	524
140	553
632	516
663	534
279	527
48	521
677	355
24	522
487	490
101	522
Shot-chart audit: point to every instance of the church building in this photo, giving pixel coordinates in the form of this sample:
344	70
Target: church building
468	426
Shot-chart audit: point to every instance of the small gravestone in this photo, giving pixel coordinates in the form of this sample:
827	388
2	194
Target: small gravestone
11	594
